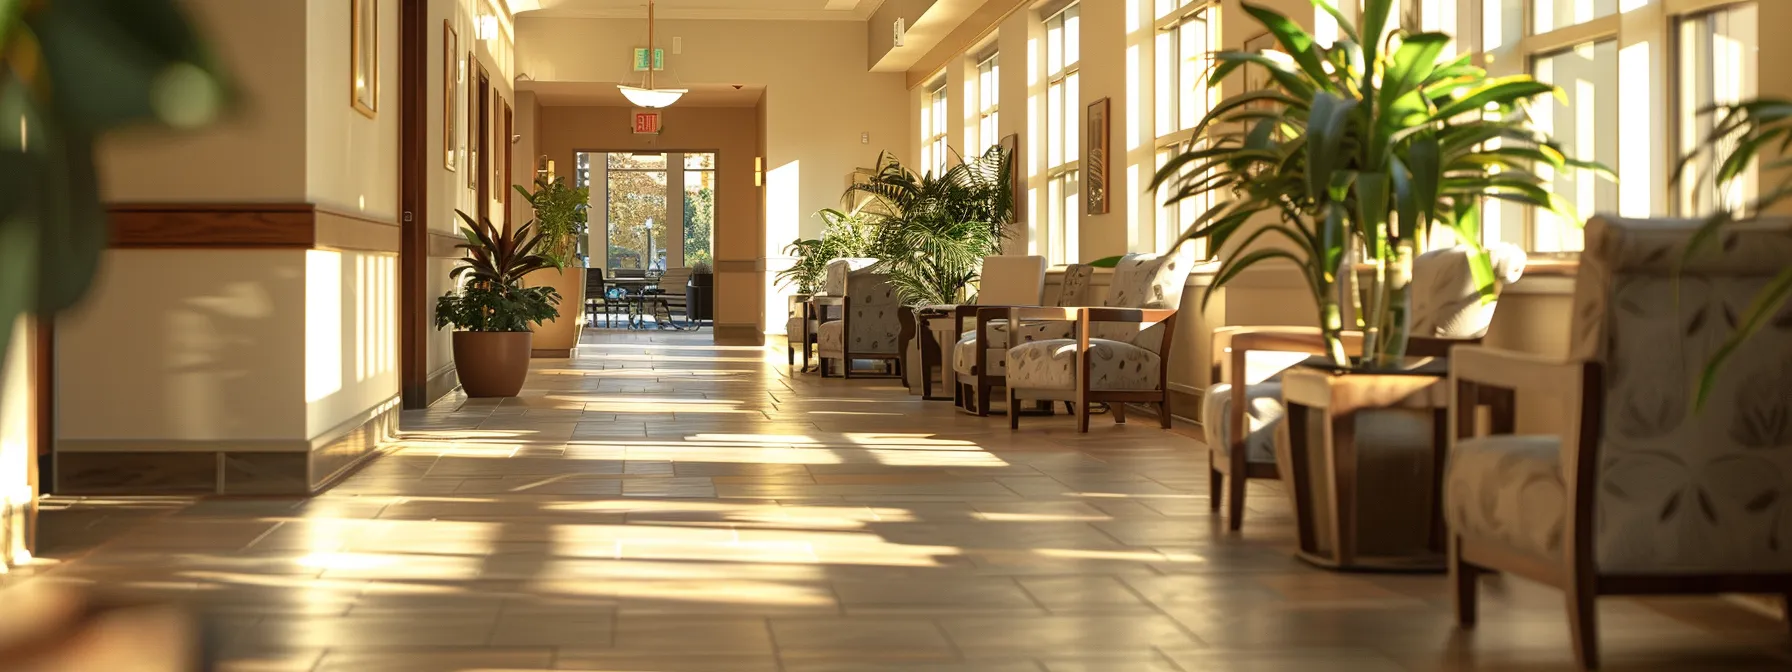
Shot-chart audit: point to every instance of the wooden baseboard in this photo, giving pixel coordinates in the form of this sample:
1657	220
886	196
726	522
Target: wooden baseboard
440	383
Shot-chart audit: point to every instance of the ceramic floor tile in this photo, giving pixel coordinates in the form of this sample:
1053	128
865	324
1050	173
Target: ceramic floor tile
660	504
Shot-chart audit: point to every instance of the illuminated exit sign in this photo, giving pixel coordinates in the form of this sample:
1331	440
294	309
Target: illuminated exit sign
659	59
647	122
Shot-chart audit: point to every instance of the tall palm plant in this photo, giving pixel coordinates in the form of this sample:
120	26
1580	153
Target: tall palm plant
1743	132
1359	148
936	229
842	236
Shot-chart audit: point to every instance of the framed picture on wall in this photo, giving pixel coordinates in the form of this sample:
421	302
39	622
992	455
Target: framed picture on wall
364	56
1018	176
452	71
473	139
1095	175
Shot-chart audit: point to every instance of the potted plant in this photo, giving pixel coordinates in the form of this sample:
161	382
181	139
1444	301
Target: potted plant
935	230
491	310
1350	154
561	213
842	236
699	292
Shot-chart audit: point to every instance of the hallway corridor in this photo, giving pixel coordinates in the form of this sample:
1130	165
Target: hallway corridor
659	504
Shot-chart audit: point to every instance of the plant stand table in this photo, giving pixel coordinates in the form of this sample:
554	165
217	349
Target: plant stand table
1363	457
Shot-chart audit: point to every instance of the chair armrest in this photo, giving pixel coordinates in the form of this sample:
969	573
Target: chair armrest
1515	371
819	304
1231	344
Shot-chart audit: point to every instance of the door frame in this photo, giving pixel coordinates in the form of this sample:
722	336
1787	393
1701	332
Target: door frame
413	170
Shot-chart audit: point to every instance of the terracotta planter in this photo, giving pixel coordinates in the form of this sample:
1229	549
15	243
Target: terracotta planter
558	337
492	363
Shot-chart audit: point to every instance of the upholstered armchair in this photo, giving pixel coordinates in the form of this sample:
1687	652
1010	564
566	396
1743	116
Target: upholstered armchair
857	319
802	324
978	370
1638	490
1006	280
1447	310
1115	354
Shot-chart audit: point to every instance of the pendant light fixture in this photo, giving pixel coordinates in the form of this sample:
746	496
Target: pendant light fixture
650	96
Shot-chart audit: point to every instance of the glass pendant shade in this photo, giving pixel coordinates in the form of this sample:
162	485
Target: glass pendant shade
653	98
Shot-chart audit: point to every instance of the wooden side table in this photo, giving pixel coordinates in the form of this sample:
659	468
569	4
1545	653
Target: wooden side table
1367	501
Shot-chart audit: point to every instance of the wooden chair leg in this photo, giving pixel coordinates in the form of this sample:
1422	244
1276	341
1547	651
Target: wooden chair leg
982	398
1069	408
1082	417
1216	488
1120	413
1235	502
1465	577
1583	621
1163	412
1785	608
1013	410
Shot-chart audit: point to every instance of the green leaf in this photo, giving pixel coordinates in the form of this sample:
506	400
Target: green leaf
1413	63
1107	262
1325	136
1761	310
1296	43
1504	92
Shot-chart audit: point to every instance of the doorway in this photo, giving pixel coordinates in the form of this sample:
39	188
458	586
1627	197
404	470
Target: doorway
658	208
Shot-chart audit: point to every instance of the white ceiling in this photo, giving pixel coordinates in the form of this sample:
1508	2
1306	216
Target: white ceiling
604	94
787	10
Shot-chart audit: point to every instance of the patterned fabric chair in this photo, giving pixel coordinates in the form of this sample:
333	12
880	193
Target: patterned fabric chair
857	319
973	385
802	318
1446	309
1641	492
1005	280
1115	354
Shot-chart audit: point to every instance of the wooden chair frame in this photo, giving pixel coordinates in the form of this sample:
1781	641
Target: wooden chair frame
1231	345
820	305
915	326
973	391
1081	394
803	340
1487	377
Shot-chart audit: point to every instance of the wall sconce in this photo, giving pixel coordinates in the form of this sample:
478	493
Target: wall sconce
758	171
486	27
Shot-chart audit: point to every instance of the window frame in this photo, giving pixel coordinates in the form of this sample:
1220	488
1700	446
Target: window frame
935	130
989	101
1063	150
1169	105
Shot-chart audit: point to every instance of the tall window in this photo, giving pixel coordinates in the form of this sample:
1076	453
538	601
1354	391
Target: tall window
699	207
1063	105
1588	73
1188	32
934	128
989	102
1717	64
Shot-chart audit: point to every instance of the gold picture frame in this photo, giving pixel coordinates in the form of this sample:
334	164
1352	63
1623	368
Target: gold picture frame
364	56
1095	174
452	72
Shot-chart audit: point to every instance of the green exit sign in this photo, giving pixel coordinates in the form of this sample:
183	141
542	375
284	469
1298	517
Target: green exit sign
659	59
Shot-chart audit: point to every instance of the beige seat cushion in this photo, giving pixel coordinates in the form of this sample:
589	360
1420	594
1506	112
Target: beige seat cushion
1263	414
1508	490
964	353
1051	365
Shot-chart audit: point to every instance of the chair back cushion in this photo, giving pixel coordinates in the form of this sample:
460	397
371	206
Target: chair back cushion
1446	299
876	307
1679	490
1012	281
674	279
1150	281
1074	290
835	282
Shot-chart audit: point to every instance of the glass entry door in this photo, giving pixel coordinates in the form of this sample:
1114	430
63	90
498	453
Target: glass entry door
645	229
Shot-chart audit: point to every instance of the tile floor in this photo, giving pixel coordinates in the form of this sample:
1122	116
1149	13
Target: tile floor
658	504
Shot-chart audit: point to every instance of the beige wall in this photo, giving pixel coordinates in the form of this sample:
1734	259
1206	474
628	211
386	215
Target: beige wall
351	161
212	349
351	336
247	157
819	97
733	134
